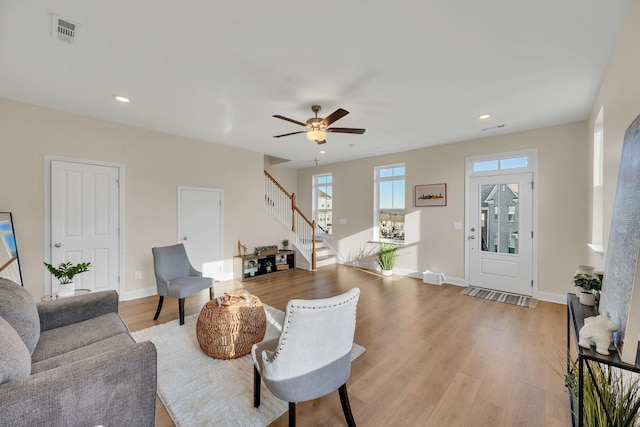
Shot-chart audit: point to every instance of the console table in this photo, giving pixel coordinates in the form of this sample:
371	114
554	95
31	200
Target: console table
282	261
576	313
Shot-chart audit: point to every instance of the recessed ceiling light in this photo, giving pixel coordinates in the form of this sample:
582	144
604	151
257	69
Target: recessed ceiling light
121	98
484	116
322	152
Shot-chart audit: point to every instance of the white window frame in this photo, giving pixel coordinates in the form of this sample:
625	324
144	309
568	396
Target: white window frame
376	200
317	209
597	196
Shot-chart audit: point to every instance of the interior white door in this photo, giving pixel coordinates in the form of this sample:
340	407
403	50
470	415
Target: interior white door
200	228
85	221
500	235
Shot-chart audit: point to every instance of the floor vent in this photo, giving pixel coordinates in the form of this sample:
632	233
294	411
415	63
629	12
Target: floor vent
63	29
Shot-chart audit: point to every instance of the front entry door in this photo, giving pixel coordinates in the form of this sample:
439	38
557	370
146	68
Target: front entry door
200	229
85	221
501	233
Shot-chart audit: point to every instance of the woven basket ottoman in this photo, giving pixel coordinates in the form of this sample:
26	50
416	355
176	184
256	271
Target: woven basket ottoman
228	332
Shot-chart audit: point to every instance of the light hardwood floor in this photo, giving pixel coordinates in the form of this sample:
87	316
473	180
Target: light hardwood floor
433	356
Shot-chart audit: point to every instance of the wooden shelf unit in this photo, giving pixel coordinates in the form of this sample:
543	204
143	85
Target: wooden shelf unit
576	313
242	270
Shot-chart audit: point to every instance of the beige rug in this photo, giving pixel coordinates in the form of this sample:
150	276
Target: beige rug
200	391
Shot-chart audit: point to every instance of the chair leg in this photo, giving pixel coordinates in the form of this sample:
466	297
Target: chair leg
160	301
181	309
211	293
256	387
292	414
346	408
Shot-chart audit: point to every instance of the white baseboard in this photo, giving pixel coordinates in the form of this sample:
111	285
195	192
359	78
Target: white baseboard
553	297
138	293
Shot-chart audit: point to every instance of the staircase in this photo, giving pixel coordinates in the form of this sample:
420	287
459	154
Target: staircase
324	256
282	206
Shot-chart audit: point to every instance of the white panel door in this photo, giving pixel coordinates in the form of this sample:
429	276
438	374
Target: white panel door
200	229
85	221
501	233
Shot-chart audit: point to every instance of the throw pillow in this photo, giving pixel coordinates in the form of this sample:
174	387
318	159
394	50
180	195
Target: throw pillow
15	360
18	308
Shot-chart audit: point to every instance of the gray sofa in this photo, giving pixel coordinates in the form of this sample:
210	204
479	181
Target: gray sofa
72	362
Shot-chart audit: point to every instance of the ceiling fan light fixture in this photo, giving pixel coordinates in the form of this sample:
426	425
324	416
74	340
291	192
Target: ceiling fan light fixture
316	135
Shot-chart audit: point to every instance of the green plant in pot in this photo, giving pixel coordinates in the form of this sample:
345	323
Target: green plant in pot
65	272
609	396
386	258
268	264
589	285
285	244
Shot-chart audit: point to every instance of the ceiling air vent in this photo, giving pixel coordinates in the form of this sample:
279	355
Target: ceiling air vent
63	29
493	127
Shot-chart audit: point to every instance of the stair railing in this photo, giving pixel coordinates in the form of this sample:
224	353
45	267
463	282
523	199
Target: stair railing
282	205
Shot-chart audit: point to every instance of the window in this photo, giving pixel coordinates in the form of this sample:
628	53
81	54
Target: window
389	203
511	213
323	203
496	212
597	193
519	162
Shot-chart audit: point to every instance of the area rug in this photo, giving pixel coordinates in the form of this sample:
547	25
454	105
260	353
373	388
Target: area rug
504	297
200	391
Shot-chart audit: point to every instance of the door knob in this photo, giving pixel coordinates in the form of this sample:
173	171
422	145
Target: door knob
57	245
184	237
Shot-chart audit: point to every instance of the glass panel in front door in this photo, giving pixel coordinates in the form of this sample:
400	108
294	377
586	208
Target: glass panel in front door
499	218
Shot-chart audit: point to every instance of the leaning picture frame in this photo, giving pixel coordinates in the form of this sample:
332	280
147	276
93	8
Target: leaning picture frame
431	195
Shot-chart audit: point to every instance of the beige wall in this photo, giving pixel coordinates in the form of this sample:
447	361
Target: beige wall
155	165
619	97
431	239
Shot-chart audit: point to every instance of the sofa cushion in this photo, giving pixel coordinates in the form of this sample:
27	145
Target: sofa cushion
15	360
19	309
117	341
55	342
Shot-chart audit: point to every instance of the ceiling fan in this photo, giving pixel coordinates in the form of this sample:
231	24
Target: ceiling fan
318	127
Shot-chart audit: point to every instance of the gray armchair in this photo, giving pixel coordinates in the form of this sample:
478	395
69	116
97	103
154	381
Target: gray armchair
176	277
312	357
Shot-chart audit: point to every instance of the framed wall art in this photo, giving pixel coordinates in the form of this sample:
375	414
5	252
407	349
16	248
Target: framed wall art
431	195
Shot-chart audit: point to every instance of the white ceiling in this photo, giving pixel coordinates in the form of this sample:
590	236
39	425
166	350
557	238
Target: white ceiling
413	73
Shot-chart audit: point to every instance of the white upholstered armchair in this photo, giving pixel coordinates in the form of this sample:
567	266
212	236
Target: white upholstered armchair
312	357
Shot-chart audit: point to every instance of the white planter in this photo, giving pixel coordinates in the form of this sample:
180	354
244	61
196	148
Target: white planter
584	269
387	272
66	289
587	298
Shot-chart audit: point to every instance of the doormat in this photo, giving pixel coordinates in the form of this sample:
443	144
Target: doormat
504	297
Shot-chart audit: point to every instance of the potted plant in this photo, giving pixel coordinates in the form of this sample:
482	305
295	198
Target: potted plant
65	273
588	284
267	265
609	397
386	258
285	244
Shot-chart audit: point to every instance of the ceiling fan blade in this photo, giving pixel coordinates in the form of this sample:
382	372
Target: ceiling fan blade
338	114
278	116
287	134
346	130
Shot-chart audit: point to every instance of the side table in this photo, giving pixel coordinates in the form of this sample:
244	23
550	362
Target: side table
229	331
54	296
